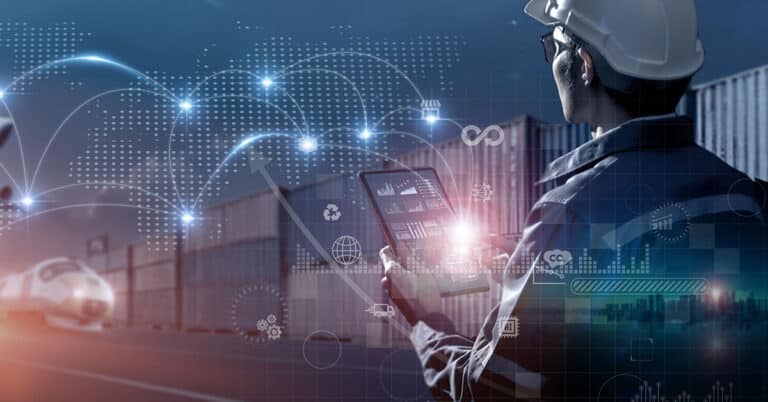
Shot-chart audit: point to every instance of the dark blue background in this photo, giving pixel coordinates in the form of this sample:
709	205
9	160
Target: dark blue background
502	73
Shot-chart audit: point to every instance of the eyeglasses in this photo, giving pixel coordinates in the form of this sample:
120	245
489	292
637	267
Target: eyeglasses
553	46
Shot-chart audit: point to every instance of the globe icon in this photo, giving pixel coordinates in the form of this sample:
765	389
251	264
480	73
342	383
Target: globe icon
346	250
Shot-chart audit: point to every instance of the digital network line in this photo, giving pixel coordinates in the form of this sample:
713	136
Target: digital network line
306	141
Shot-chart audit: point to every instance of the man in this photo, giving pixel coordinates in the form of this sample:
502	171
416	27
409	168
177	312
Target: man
618	286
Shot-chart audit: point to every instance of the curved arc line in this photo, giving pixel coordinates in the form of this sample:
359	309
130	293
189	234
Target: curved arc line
296	104
379	59
101	60
114	184
330	130
380	155
440	155
392	112
338	74
21	148
71	114
253	98
93	204
252	75
13	180
170	138
241	146
169	161
218	73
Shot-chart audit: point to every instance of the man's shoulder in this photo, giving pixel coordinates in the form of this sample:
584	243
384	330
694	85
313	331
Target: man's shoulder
625	184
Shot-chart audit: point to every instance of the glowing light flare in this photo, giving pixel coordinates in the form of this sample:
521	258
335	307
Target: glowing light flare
716	293
365	134
185	105
431	119
97	59
2	94
308	144
462	235
266	82
187	218
27	201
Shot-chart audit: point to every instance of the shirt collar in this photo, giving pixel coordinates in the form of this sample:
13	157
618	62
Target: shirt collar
667	131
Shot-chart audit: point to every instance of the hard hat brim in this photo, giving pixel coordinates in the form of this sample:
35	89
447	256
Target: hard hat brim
537	9
634	65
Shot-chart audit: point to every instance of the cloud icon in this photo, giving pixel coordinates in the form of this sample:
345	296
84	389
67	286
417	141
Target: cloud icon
557	258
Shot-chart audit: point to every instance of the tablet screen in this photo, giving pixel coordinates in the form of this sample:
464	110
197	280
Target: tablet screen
418	221
412	206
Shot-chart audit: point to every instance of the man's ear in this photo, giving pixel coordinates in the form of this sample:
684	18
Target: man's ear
587	67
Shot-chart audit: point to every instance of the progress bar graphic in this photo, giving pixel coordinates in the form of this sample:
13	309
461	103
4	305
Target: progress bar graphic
674	286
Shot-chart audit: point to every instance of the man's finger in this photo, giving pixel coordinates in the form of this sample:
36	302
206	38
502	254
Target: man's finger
388	260
386	253
391	267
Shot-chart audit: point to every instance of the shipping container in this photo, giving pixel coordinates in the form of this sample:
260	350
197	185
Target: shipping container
340	304
214	277
495	185
118	280
731	116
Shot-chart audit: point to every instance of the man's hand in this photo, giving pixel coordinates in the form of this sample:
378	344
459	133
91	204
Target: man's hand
415	295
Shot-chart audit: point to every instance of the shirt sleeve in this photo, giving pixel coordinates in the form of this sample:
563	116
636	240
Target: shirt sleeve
458	368
453	364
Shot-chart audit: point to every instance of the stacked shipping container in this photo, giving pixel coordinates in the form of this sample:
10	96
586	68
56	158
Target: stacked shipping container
253	241
732	119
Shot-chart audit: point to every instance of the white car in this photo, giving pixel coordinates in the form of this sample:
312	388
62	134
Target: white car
65	292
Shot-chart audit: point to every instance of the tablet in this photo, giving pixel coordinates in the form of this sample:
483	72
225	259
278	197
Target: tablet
416	217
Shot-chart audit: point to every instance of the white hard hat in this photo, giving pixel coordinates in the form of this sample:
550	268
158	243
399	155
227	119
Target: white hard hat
647	39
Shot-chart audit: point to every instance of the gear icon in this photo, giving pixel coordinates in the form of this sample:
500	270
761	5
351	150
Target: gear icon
249	318
262	325
274	332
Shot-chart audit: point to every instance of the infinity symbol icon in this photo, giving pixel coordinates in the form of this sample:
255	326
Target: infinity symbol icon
468	132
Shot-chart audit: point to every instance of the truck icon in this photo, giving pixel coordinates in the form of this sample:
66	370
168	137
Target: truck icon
381	311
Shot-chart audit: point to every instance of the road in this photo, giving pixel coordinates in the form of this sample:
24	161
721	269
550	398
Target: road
140	365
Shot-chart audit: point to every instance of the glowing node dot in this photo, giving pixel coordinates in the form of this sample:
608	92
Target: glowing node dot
185	105
431	119
27	201
308	144
365	134
187	218
267	82
2	94
716	292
